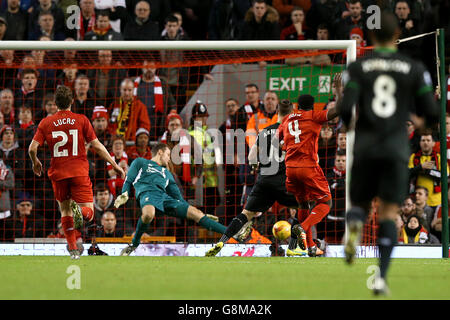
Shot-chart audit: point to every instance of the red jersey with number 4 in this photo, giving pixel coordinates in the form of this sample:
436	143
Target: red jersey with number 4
300	131
66	133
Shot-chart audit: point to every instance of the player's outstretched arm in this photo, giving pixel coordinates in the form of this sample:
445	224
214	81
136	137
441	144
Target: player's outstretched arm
32	152
104	154
333	112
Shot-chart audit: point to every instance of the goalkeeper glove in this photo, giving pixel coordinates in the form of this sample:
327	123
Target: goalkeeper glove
123	198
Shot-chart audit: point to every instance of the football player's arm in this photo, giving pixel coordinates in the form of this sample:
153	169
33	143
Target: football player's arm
350	96
333	112
104	154
32	152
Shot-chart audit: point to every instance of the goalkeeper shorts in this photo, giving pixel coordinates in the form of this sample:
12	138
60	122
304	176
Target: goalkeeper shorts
164	204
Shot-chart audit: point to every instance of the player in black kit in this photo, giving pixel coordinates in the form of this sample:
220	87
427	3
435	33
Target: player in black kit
386	87
270	186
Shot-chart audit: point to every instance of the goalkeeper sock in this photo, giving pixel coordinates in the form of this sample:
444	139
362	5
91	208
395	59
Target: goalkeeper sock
87	213
316	215
69	232
210	224
140	230
387	238
236	224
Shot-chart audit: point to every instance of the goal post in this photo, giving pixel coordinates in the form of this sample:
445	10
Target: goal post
265	48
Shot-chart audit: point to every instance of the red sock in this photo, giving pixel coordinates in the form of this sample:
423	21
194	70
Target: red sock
69	232
317	214
87	213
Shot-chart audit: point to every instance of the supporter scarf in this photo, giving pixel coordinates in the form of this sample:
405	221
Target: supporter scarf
185	147
25	125
101	32
434	157
24	228
338	172
122	120
157	92
81	32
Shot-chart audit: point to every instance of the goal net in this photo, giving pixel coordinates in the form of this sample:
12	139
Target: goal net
173	83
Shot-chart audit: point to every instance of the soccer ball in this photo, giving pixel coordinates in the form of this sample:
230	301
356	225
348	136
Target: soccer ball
281	230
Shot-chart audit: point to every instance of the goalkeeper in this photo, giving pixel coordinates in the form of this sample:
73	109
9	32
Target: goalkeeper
157	193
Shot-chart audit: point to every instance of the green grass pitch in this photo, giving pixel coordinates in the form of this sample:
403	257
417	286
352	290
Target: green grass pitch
222	278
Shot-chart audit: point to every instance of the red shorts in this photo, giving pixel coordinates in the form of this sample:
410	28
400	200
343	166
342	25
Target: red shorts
78	189
307	184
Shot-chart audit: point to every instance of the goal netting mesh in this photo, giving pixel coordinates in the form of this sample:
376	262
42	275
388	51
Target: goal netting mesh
167	83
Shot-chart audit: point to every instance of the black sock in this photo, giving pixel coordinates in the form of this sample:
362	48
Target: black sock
235	225
356	214
293	241
387	239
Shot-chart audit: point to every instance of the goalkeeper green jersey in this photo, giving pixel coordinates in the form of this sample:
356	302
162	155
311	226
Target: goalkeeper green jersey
148	176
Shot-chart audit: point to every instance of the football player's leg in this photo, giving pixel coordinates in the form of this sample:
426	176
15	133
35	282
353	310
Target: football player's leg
68	224
195	214
81	190
148	213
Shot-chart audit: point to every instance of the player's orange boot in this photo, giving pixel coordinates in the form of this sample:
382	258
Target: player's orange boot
315	252
301	236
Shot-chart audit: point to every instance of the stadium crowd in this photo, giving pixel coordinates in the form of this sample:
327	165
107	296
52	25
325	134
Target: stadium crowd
132	108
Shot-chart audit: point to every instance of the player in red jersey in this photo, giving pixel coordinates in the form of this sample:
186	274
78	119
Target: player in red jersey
66	133
305	179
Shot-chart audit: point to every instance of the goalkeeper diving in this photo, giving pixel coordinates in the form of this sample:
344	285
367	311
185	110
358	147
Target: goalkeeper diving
157	193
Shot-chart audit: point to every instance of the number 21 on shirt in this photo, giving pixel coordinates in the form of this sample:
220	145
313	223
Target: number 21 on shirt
64	153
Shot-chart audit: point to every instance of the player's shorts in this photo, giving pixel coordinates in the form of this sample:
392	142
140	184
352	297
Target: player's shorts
385	178
268	190
164	204
308	184
78	189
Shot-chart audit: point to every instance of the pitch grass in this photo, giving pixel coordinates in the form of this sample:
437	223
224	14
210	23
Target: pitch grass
222	278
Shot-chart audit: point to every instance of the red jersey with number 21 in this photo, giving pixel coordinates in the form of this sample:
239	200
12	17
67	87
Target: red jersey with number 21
65	133
300	131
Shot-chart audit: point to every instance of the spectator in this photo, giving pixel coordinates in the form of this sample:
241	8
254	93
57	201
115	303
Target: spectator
358	35
298	29
227	19
49	107
231	122
341	140
69	55
25	126
119	155
28	93
323	12
42	61
251	106
414	136
355	19
7	106
141	27
327	147
160	9
7	74
105	80
176	78
2	120
399	224
142	148
409	28
425	169
47	27
68	76
109	223
436	224
16	20
128	113
285	8
103	200
153	92
212	157
26	224
408	208
46	6
84	97
13	156
100	124
7	184
117	12
414	232
87	19
261	22
195	15
335	220
102	29
422	209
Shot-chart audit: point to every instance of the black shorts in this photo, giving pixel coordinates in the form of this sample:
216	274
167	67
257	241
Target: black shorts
267	191
385	178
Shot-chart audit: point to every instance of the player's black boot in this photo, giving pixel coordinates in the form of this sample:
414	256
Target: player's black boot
301	236
380	287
